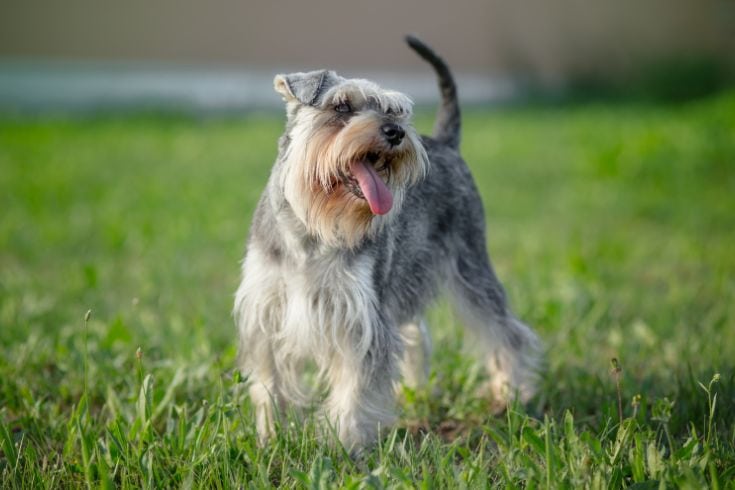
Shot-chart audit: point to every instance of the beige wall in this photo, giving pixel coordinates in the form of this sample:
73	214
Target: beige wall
546	38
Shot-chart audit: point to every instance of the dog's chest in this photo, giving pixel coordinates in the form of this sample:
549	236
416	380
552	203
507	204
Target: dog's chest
329	299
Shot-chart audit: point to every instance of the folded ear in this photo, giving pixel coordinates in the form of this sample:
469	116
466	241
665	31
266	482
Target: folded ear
304	87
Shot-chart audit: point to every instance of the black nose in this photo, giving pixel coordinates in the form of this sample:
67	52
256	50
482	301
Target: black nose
393	133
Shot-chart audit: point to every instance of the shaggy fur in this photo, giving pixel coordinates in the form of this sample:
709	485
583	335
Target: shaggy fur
331	277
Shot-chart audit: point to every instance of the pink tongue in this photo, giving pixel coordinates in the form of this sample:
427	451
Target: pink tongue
372	186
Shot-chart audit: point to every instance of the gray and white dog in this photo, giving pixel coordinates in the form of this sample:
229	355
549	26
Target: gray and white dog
361	224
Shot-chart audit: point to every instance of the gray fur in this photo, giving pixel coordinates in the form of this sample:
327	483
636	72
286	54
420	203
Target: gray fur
310	86
344	306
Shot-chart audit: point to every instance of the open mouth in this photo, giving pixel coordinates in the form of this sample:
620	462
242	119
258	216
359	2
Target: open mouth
363	180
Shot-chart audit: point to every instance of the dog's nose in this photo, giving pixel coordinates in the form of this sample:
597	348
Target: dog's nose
393	133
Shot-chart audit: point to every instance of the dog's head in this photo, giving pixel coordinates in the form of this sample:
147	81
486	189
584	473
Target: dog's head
349	154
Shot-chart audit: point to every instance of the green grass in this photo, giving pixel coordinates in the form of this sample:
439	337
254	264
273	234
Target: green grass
613	228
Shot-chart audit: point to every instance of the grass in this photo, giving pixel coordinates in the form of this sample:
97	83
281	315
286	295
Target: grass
611	226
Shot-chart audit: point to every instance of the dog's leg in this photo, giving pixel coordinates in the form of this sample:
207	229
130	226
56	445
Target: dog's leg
257	312
264	392
510	349
362	395
416	353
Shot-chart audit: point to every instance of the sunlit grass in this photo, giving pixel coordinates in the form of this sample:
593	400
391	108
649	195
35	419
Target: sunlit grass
612	228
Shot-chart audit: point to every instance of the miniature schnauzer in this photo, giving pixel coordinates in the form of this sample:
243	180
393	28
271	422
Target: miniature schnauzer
361	223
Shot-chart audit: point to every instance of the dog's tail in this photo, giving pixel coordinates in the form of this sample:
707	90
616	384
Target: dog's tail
447	125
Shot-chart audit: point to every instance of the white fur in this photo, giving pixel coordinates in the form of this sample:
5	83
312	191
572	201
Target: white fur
320	310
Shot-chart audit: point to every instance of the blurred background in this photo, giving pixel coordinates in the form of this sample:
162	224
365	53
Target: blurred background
221	55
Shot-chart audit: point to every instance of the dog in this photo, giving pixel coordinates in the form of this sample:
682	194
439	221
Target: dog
361	224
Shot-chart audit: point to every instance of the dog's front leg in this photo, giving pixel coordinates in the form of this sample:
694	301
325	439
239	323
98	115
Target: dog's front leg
258	313
265	394
362	394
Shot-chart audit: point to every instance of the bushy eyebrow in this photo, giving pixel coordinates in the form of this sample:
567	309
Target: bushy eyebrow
385	101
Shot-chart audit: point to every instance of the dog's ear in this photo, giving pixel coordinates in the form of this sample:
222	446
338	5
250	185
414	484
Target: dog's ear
304	87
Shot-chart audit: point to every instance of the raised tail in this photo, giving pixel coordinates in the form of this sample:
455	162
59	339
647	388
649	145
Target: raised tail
448	121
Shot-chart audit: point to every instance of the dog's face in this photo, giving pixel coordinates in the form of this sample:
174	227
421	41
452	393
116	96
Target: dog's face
349	154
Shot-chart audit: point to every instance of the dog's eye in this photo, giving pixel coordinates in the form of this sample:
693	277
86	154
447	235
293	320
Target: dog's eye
343	107
390	111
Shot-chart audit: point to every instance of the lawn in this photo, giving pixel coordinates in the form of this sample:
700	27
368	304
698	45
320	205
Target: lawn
611	225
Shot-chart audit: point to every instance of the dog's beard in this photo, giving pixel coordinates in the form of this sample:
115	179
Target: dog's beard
332	172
